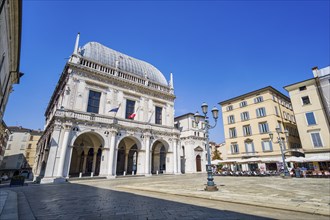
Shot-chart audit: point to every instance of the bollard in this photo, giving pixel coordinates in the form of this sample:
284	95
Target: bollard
124	173
157	172
80	174
92	174
132	173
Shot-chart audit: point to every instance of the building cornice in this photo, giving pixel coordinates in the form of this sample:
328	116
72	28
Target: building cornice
249	94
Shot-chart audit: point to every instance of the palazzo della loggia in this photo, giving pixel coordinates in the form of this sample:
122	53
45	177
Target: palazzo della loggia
111	114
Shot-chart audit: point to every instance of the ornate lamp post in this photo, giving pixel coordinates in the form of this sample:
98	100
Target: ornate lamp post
280	142
215	112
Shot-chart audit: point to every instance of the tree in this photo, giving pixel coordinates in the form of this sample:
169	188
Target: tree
216	155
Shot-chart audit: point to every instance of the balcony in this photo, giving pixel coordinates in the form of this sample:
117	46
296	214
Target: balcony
102	120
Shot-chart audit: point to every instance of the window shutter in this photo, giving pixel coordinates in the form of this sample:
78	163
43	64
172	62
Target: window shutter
263	146
264	111
252	147
271	145
246	147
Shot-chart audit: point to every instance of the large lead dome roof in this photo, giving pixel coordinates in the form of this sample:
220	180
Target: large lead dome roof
106	56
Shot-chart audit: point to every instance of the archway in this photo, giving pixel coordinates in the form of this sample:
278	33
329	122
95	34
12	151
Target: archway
198	163
86	155
198	158
158	161
127	156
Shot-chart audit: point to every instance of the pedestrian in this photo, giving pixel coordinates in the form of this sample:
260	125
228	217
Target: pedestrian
297	172
304	170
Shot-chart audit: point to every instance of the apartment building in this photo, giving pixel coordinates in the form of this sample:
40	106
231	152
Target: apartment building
310	101
249	118
20	151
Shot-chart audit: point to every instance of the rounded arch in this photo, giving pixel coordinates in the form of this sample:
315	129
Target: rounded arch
134	139
89	135
85	156
159	149
128	155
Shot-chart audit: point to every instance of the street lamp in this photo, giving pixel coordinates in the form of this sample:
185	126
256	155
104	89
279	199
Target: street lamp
215	113
280	142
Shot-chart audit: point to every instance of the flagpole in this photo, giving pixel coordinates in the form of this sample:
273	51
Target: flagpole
117	111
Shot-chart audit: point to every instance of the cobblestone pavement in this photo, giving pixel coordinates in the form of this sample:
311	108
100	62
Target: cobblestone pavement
176	197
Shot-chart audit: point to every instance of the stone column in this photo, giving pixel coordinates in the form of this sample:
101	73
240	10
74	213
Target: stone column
147	160
94	162
175	155
126	160
78	161
63	150
84	163
178	147
51	160
112	151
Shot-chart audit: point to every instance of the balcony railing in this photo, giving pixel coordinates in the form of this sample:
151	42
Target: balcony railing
108	120
123	75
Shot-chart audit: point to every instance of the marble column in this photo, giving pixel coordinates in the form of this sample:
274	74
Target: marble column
147	158
94	161
84	163
175	155
63	150
126	160
112	152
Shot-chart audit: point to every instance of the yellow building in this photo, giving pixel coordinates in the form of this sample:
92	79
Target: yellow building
247	121
30	151
310	101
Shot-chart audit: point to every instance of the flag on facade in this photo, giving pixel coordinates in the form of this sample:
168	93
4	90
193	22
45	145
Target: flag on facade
115	109
132	116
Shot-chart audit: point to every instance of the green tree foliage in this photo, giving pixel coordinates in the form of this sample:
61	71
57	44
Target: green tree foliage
216	155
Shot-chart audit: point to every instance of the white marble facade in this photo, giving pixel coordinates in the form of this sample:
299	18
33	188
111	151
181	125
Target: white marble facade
90	128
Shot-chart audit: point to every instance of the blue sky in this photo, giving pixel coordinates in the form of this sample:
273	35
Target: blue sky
216	50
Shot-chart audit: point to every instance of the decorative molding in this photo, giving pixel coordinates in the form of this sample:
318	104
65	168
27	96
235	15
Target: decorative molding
121	83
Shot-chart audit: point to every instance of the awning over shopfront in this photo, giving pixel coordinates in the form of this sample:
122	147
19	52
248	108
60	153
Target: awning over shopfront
296	159
318	158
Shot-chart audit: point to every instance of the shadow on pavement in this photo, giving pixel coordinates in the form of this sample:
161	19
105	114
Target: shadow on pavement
74	201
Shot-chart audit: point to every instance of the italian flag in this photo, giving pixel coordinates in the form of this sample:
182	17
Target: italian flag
132	116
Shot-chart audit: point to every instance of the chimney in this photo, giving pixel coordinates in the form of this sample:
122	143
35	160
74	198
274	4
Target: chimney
315	71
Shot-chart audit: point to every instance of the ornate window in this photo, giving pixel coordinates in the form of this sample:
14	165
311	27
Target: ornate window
93	102
130	106
158	115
